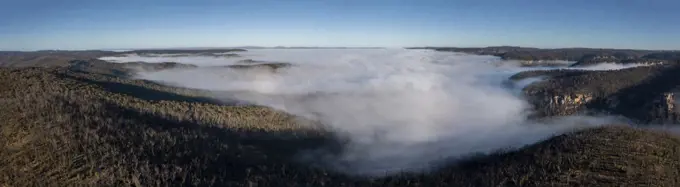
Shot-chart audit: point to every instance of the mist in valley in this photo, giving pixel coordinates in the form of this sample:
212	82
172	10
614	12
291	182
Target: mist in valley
398	110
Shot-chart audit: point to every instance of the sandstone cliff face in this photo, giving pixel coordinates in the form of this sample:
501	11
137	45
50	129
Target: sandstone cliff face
659	109
664	107
558	104
643	94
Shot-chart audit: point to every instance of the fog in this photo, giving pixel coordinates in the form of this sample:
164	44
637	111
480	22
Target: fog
399	110
179	58
607	66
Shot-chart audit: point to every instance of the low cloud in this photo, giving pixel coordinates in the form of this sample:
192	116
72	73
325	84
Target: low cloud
399	110
608	66
179	58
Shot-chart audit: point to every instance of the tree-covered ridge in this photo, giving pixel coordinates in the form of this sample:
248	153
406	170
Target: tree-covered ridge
582	56
76	126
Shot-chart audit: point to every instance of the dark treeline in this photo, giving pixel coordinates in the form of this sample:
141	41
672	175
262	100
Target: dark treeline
583	56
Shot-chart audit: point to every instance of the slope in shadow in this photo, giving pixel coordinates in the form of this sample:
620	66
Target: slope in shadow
105	144
642	101
225	156
149	94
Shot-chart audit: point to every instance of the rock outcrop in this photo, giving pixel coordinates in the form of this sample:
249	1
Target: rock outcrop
644	94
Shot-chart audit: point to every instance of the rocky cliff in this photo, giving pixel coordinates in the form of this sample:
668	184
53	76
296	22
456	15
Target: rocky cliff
644	94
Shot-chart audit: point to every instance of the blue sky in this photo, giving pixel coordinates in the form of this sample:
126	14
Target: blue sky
95	24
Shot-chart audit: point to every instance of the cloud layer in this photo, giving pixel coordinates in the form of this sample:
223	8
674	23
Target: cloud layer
399	110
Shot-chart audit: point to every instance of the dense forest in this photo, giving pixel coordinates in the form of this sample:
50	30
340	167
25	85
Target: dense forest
77	121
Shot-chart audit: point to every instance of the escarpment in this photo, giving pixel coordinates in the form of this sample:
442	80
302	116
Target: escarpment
644	94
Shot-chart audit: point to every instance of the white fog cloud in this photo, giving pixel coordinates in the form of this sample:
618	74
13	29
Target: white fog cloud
401	110
159	58
608	66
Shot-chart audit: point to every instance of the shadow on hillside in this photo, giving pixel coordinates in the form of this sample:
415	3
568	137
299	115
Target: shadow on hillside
634	101
213	156
99	67
150	94
109	74
209	155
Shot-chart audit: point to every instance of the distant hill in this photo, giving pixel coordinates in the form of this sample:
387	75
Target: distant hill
62	58
582	56
179	51
46	58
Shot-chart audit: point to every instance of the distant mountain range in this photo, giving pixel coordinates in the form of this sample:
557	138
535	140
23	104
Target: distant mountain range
238	47
582	56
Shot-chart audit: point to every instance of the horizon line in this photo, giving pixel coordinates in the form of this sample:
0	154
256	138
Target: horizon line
328	47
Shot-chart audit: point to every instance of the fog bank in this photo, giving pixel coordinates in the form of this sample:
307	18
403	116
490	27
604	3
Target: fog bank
399	110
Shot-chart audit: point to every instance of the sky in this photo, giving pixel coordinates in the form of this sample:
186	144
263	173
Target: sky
123	24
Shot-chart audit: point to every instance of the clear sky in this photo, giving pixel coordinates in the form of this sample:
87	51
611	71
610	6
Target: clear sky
104	24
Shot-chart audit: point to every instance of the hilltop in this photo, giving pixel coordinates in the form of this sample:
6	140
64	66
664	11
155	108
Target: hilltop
61	58
581	56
